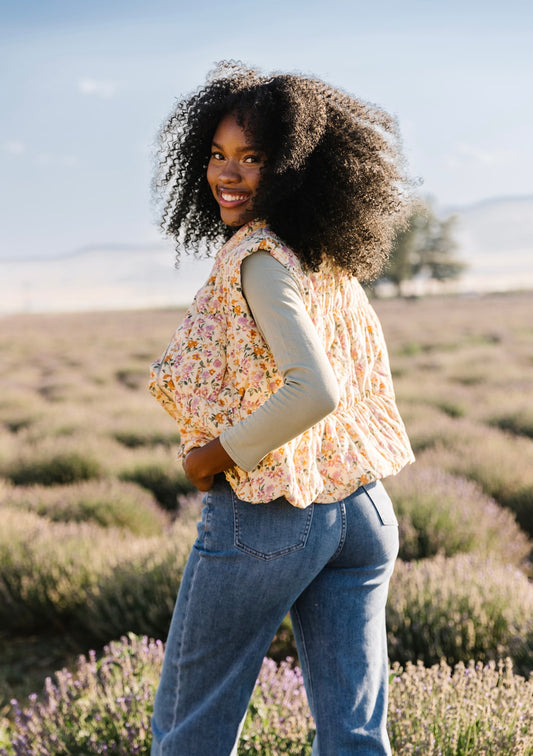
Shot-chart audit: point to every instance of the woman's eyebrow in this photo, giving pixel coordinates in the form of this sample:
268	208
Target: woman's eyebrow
247	148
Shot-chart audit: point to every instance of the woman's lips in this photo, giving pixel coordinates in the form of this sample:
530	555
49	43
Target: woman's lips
232	198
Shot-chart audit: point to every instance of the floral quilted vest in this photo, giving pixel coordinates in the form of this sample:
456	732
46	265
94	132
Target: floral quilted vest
217	369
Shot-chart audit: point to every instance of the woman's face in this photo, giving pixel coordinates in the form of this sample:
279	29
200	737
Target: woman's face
234	171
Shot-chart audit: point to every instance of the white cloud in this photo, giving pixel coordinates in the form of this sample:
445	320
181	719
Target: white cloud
70	161
466	152
14	147
105	89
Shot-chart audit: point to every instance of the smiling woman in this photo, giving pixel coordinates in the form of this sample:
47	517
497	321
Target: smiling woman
334	182
234	171
279	381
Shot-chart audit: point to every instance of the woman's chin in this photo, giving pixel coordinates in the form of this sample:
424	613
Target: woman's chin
235	218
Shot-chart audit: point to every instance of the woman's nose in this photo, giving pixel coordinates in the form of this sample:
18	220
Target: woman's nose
230	171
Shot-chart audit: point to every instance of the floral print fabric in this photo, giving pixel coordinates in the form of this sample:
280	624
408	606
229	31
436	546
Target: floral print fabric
217	369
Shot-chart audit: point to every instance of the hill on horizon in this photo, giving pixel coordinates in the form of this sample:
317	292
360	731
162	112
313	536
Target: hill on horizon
495	239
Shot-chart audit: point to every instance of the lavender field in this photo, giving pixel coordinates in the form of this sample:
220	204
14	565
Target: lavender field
97	519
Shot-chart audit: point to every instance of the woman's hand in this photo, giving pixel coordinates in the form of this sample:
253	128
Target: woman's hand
202	463
191	465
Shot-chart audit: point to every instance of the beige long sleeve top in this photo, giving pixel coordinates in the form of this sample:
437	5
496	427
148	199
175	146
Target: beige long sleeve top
309	391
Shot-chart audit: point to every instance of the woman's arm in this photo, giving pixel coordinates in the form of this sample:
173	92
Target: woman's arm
309	392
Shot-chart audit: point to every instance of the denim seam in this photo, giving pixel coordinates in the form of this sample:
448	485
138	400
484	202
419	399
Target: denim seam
310	692
342	538
208	523
180	646
378	510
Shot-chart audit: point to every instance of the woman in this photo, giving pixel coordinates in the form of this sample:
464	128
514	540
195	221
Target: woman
279	380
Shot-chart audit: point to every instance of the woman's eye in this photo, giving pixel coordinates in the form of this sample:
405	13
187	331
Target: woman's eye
217	156
252	159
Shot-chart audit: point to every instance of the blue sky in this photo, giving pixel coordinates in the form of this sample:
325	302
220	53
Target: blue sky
85	85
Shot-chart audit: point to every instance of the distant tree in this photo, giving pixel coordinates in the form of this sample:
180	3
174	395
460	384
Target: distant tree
424	247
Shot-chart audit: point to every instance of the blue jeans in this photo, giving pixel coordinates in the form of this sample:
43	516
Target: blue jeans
330	566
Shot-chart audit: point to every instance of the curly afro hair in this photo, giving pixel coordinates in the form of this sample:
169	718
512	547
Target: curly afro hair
334	183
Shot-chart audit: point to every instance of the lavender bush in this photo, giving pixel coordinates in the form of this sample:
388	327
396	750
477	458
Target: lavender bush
48	468
502	465
135	436
472	710
98	581
46	569
278	719
101	583
427	426
104	707
518	421
109	503
139	593
165	481
459	608
440	513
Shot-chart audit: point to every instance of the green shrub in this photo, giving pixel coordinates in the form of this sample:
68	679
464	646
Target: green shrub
50	467
440	513
134	419
134	437
106	704
56	388
133	377
471	368
166	482
105	502
63	427
89	580
500	463
460	608
140	592
451	407
17	419
18	411
519	422
46	569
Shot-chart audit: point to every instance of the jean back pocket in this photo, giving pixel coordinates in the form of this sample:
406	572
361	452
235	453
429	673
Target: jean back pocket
270	530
